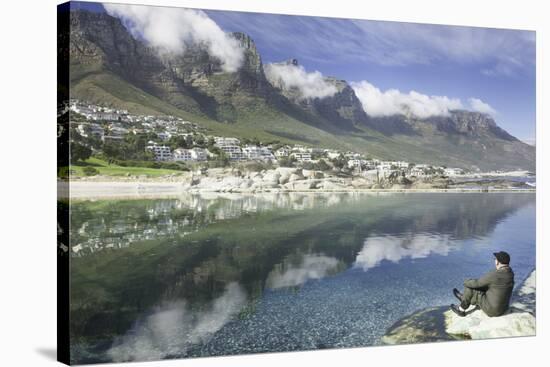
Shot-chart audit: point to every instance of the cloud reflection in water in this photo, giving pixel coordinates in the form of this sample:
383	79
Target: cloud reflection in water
394	248
173	328
312	267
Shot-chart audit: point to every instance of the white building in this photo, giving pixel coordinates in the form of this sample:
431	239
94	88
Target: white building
223	141
453	171
234	152
161	152
164	136
352	155
266	154
108	116
301	157
82	109
384	166
181	154
355	163
333	155
230	146
282	152
301	149
401	164
116	134
252	152
91	129
419	171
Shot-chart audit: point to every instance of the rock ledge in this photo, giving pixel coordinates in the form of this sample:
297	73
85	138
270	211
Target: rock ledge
440	324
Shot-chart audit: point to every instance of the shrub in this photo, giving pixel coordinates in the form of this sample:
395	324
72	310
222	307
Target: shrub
63	172
90	171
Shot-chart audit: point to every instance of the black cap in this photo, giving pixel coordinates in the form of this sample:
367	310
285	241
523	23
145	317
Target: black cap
502	257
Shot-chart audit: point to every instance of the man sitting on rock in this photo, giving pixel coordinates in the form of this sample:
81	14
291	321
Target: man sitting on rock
491	292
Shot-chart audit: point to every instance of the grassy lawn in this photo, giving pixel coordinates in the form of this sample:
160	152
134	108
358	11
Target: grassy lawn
114	170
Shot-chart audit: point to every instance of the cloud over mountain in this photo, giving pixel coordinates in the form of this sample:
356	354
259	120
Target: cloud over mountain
392	102
478	105
309	84
379	103
172	30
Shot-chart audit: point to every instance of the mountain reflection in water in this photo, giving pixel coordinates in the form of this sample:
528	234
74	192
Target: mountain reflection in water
232	274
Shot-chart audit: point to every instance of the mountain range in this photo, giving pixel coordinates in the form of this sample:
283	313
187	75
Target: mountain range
109	66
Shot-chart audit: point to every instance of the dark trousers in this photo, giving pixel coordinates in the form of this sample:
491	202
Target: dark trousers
470	297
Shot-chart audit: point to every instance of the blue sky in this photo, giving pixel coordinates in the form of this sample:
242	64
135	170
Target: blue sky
496	66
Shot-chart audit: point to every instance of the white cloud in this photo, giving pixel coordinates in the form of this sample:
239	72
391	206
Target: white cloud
172	30
310	85
377	103
478	105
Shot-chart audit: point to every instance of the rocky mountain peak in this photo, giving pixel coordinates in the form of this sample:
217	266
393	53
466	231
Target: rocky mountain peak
470	123
252	59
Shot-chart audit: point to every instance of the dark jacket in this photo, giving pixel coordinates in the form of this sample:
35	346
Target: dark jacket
496	289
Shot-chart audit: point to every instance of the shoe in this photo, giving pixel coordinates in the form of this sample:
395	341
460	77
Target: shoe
457	294
457	310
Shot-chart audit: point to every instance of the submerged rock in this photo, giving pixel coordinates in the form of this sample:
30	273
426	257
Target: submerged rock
427	325
440	323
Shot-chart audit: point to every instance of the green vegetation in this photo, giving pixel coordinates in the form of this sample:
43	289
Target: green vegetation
113	169
80	152
287	161
321	165
90	171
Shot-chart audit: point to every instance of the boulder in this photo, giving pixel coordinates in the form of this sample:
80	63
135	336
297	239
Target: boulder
478	325
295	177
271	178
332	185
361	183
300	185
308	173
285	173
440	323
245	184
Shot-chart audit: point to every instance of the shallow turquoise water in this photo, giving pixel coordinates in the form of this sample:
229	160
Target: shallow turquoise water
202	276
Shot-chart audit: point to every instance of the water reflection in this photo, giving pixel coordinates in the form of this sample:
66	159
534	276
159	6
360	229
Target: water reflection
394	248
118	224
311	267
174	327
154	279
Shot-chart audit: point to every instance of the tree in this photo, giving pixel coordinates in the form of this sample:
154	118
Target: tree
340	162
200	142
180	141
322	165
287	161
111	150
221	160
80	152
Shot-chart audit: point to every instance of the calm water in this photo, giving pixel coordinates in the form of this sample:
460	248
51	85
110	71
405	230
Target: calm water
206	276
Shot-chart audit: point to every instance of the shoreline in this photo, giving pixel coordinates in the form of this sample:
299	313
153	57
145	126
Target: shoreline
158	189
